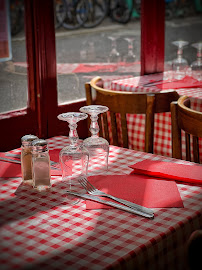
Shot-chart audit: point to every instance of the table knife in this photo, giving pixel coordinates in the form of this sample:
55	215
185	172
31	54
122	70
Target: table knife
10	160
113	204
159	82
18	161
19	155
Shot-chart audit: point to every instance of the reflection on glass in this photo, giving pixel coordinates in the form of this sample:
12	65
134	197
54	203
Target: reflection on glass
114	55
180	64
196	66
130	56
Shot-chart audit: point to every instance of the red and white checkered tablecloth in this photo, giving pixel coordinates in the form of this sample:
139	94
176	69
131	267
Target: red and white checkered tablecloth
162	129
41	231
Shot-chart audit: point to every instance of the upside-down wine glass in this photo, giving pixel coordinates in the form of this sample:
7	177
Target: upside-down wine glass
130	56
114	55
97	147
180	64
74	157
196	66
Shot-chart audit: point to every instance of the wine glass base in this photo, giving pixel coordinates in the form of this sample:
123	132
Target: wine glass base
98	149
74	186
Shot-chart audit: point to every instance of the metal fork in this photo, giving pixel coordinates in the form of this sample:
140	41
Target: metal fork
94	191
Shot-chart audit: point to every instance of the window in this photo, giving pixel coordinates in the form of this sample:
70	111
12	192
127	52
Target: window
41	103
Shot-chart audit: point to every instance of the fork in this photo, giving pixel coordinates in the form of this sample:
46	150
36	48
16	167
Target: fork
94	191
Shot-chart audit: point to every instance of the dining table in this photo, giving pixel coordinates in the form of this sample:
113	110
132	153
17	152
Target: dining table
40	230
153	83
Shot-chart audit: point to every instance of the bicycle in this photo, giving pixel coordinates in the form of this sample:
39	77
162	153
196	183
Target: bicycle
93	12
75	17
121	10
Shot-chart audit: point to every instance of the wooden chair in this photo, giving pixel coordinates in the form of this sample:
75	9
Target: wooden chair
193	250
190	121
128	103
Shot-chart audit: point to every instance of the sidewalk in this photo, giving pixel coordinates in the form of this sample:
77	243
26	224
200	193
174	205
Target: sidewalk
106	25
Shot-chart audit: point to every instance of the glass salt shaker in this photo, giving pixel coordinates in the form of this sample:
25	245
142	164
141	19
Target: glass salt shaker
41	165
26	157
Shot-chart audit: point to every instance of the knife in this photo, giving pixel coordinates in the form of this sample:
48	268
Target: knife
113	204
19	162
19	155
159	82
10	160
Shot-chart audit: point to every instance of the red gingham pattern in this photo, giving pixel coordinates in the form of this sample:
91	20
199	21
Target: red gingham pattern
162	129
40	231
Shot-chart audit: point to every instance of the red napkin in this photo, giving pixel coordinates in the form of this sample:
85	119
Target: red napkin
186	82
8	169
169	170
140	189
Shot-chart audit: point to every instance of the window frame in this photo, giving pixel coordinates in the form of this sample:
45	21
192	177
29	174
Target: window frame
40	117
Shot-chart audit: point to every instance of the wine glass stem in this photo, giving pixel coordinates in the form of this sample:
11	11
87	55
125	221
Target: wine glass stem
199	55
130	47
94	128
179	52
73	135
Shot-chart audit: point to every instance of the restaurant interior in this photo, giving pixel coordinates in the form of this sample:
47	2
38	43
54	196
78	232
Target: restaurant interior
101	135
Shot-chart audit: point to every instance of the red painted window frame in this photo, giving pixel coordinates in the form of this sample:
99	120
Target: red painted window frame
40	117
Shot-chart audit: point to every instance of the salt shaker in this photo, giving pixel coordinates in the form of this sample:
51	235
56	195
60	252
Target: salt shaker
41	165
26	157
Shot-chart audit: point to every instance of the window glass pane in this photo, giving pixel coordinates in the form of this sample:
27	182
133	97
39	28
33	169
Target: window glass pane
183	23
13	75
109	50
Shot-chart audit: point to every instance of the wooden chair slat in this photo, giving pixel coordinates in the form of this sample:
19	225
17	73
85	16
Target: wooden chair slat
124	130
188	148
114	128
105	123
196	149
187	120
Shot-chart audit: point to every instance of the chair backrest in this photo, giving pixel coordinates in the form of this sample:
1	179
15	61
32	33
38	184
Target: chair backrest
190	121
123	103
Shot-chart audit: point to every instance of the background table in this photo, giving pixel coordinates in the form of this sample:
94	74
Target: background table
40	231
162	128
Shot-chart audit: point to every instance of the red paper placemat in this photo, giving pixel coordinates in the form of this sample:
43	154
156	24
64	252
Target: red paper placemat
186	82
140	189
169	170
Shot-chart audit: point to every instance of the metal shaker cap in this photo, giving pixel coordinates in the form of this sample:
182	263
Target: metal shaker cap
39	145
27	139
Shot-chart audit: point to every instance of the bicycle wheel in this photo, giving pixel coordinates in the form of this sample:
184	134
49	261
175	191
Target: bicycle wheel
60	12
16	16
95	12
70	22
122	11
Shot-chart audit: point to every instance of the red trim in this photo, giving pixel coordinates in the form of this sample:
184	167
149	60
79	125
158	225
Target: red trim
152	36
45	58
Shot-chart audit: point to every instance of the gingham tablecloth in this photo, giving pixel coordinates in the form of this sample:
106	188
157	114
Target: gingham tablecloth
162	128
40	231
